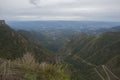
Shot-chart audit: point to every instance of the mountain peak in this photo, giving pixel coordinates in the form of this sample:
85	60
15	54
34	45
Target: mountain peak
2	22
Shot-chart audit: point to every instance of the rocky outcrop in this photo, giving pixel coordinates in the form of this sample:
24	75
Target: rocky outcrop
2	22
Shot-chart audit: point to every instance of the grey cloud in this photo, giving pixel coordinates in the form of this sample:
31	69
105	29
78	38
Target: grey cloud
34	2
61	9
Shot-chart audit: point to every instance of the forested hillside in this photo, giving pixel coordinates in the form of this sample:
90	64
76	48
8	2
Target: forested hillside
65	55
20	59
94	57
14	45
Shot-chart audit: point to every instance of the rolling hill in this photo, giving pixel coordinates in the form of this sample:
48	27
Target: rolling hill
14	45
94	57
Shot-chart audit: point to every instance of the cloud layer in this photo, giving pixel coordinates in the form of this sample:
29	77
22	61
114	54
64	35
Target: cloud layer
34	2
98	10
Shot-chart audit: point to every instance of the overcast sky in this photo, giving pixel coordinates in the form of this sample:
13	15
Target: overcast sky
95	10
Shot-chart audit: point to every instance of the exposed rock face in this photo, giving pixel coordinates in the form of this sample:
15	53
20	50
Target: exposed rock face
2	22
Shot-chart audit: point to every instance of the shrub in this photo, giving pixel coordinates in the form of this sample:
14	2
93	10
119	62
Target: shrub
27	68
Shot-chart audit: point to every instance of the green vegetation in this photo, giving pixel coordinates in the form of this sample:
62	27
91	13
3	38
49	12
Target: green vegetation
51	40
86	53
90	57
27	68
15	67
15	45
95	49
11	43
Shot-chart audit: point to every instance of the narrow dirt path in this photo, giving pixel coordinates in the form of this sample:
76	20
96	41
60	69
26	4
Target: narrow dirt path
99	74
111	73
106	72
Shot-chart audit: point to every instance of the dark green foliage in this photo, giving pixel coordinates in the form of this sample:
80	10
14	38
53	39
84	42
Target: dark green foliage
92	48
14	45
87	52
88	56
52	40
11	43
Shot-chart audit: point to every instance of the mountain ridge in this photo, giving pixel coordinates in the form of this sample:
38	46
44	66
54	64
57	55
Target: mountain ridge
14	45
96	54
